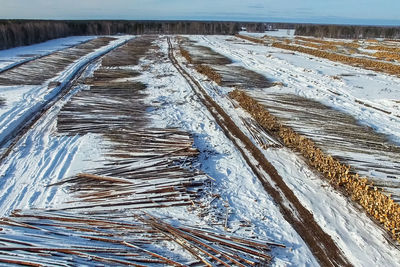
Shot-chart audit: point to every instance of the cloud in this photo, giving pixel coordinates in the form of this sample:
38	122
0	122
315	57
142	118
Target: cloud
252	10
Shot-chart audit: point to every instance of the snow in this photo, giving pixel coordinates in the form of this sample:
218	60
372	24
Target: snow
235	182
14	56
312	77
22	101
355	233
288	33
42	157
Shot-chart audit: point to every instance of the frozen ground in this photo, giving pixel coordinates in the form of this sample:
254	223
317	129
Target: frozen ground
288	33
13	56
42	157
238	186
312	77
354	236
22	101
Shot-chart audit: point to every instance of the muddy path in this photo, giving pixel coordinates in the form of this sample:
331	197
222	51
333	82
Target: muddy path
321	244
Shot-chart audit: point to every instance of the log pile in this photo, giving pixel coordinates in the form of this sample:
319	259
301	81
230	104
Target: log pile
317	46
39	71
384	48
251	39
209	72
375	202
359	62
330	43
145	185
64	239
389	56
186	55
259	134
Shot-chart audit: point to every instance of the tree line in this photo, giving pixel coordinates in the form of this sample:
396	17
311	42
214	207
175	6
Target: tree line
348	31
25	32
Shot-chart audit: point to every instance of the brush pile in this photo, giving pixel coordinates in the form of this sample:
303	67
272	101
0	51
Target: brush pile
374	201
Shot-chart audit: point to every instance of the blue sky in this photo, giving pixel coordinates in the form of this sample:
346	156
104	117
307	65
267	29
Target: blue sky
382	12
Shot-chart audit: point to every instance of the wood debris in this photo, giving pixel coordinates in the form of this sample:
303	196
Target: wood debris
59	239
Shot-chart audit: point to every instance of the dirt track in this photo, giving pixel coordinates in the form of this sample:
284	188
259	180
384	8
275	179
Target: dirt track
320	243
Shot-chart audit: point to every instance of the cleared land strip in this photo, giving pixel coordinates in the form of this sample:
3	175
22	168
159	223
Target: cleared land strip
38	71
103	217
24	125
377	204
353	61
321	244
36	57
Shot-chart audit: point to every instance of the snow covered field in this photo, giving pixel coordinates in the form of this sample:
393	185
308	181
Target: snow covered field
288	33
14	56
44	156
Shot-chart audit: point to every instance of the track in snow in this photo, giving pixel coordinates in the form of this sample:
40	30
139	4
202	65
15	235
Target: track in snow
8	143
320	243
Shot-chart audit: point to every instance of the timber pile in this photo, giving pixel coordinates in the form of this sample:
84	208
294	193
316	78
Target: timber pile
40	70
374	201
209	72
219	68
60	239
186	55
354	44
359	62
151	143
389	56
259	134
147	185
384	48
317	46
251	39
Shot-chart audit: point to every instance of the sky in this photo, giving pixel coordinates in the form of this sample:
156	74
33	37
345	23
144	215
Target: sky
369	12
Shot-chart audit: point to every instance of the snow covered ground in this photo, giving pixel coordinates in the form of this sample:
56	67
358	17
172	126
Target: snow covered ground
42	158
22	101
11	57
178	106
360	239
313	77
288	33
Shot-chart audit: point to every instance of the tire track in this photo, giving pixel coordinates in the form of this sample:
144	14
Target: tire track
321	244
9	142
27	60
